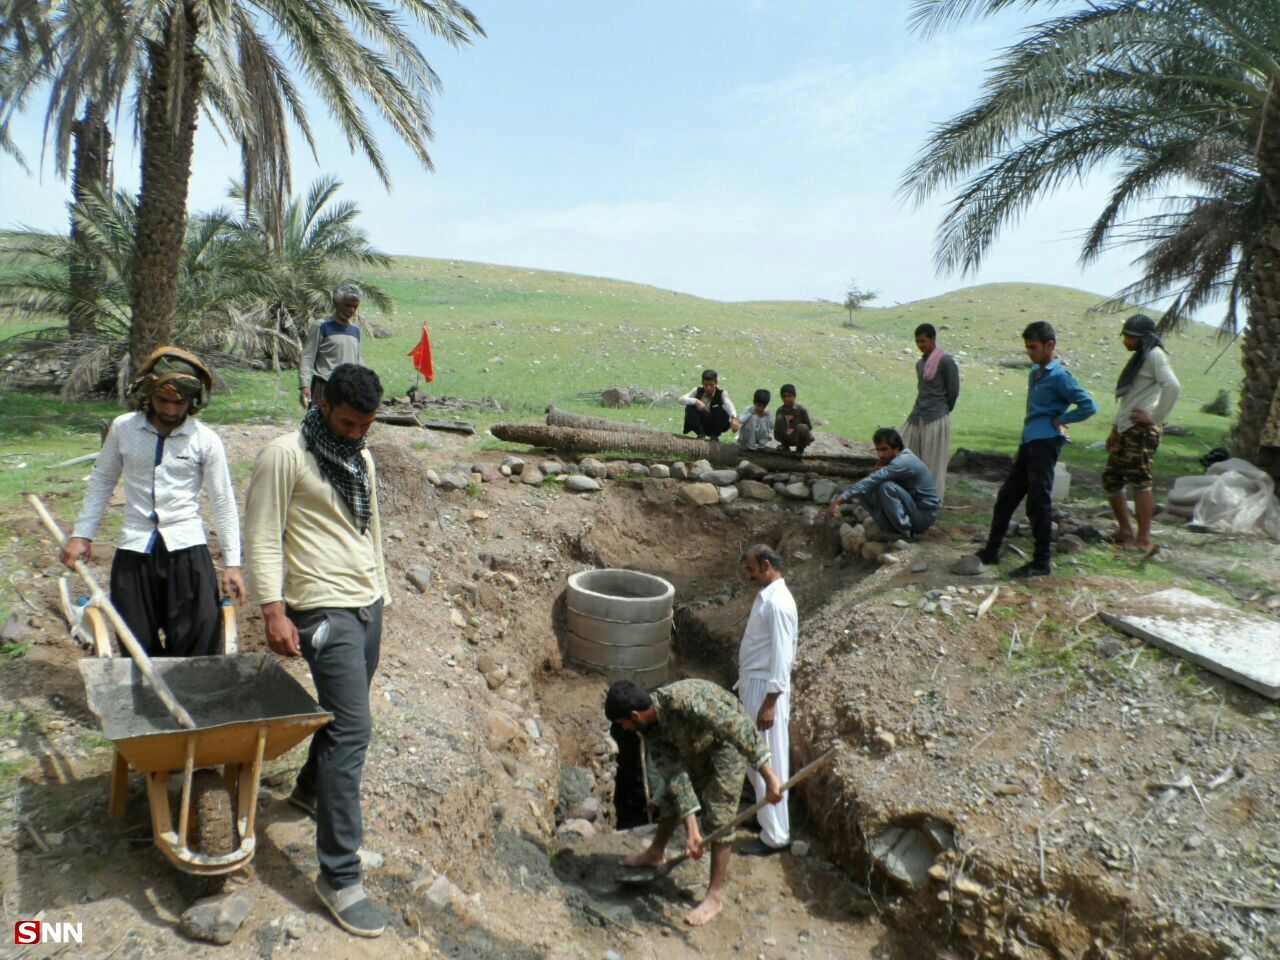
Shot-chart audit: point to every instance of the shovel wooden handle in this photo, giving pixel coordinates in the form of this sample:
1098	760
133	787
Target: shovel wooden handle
123	633
751	811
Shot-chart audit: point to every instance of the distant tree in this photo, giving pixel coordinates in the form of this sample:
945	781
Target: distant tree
855	298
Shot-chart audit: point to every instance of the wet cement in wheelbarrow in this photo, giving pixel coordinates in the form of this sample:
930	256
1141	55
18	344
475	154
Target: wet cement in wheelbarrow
214	690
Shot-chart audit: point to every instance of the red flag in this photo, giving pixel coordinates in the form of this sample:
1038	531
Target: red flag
421	355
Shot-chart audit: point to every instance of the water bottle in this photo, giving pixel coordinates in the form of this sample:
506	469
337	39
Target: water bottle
231	637
79	629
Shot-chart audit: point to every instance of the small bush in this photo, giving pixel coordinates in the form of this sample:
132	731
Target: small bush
1219	406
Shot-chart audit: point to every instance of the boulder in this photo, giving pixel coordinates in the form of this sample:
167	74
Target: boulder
699	466
772	478
551	467
660	471
572	830
455	480
1070	543
514	464
419	577
580	483
216	919
823	491
852	537
637	470
721	478
752	471
531	475
755	490
615	469
702	494
967	566
576	784
592	467
793	491
491	475
728	494
680	470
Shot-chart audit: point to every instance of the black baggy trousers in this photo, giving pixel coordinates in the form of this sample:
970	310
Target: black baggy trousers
170	594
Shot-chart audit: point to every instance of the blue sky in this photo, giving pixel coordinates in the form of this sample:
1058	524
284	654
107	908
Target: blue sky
735	149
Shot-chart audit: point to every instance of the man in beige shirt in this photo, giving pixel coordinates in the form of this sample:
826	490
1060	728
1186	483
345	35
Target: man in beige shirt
314	557
1147	391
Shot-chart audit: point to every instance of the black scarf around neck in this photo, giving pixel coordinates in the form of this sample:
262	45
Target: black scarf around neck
1130	372
342	464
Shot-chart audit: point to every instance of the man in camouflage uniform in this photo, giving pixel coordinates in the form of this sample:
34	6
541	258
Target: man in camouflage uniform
699	742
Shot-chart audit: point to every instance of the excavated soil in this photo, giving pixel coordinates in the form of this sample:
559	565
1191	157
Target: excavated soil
991	799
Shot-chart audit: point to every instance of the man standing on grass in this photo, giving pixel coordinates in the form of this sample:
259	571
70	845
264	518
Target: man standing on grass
1054	400
1147	390
927	431
699	741
898	500
765	656
316	566
329	344
163	583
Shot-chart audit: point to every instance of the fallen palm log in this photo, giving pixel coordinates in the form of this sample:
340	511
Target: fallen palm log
678	448
578	421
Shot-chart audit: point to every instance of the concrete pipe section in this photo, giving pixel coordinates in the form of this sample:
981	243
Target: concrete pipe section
620	624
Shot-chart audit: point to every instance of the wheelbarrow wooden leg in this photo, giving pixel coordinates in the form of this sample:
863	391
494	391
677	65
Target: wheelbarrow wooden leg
119	787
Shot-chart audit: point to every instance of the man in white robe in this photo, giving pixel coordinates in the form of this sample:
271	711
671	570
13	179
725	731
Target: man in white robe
764	683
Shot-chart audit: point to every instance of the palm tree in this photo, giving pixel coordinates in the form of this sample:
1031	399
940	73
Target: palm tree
1180	101
346	49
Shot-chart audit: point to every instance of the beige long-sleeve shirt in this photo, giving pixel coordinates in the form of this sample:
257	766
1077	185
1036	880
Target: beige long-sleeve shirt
302	544
1155	389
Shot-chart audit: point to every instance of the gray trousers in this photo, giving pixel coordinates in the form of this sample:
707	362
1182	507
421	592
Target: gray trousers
895	511
341	646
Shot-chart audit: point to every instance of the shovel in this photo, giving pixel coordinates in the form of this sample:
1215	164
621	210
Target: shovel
640	875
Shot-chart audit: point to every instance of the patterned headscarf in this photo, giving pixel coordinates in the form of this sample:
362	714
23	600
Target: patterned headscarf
342	464
175	373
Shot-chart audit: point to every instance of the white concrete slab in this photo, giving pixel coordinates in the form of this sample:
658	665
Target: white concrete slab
1243	647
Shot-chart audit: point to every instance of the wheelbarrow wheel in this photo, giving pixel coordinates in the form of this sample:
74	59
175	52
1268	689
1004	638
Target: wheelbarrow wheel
212	831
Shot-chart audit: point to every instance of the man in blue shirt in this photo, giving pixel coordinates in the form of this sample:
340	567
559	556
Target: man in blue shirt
1054	400
899	497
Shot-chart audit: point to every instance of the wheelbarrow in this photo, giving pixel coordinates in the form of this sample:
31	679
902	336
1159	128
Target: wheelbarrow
192	714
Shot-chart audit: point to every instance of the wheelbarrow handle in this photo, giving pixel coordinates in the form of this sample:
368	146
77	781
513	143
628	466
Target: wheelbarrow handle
125	635
752	810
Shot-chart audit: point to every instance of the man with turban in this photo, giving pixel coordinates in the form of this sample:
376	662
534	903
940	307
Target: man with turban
1147	391
330	344
162	578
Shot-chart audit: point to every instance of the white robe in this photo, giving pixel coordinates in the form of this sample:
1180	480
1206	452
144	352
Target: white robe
765	657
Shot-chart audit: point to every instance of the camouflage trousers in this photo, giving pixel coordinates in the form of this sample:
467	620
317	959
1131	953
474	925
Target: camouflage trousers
717	776
1130	463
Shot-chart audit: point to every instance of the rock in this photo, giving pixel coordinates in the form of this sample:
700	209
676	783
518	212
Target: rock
920	566
721	478
455	480
572	830
872	550
772	478
823	491
680	470
615	397
898	546
1070	543
442	892
504	470
752	471
550	468
531	475
588	809
799	848
793	491
514	464
852	537
575	789
889	559
904	853
490	475
433	478
612	955
1016	363
419	577
755	490
15	629
496	677
967	566
532	729
728	494
295	926
702	494
615	469
370	859
502	730
660	471
592	467
1109	647
885	740
637	470
581	483
699	467
216	919
457	619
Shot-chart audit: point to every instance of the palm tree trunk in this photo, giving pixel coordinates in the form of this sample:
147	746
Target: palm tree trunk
168	139
92	168
1261	346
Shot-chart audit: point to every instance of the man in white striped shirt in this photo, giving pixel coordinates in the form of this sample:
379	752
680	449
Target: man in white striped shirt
162	578
765	657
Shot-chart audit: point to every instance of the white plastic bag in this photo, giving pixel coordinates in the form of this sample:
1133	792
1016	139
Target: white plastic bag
1233	496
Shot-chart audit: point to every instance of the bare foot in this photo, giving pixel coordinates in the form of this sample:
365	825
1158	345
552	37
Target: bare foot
1145	546
705	912
650	858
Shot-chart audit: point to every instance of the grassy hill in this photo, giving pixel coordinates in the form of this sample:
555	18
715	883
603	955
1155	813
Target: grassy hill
526	338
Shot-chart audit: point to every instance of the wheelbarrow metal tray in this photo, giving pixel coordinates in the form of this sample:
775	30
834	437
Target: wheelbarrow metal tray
231	699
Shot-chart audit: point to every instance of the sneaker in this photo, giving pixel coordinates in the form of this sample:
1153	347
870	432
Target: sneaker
352	909
1032	570
304	801
758	848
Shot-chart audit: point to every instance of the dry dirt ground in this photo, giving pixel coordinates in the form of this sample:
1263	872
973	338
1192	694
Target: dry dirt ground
1077	797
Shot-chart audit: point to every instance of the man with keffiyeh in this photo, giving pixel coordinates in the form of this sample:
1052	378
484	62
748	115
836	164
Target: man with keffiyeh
314	554
163	583
927	431
1147	391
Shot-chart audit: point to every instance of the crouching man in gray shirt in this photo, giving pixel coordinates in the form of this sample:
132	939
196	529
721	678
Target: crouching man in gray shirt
898	499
